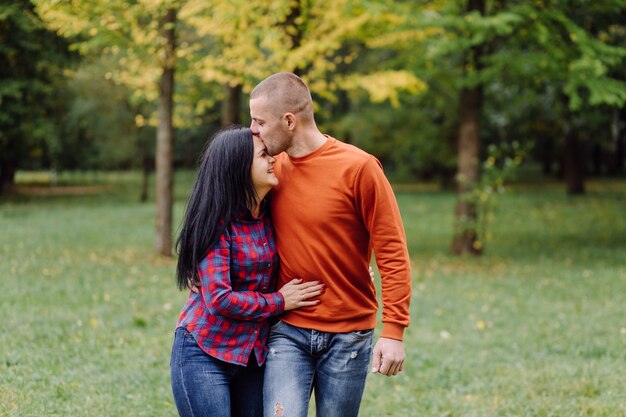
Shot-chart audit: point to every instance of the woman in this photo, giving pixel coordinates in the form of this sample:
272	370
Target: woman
227	244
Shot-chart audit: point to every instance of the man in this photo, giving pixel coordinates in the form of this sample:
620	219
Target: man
332	206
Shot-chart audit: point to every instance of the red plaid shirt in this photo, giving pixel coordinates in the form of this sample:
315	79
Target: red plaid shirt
229	318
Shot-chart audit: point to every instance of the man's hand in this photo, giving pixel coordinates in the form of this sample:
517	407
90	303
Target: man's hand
388	356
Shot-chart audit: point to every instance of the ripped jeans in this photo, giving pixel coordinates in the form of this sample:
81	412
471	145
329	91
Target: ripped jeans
300	361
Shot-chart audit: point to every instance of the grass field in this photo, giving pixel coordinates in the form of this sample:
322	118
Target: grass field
536	327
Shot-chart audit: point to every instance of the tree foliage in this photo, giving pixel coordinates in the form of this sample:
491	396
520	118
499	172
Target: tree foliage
32	59
388	76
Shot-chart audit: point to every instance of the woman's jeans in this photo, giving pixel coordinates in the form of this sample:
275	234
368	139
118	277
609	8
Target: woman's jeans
335	365
204	386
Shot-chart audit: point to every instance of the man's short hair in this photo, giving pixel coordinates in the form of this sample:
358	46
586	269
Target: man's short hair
286	93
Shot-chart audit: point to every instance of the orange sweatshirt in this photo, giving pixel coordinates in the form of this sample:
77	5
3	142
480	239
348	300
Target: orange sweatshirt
330	209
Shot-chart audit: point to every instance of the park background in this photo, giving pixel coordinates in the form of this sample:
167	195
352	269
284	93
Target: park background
500	123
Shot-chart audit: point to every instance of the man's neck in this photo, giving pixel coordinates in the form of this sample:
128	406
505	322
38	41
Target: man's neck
306	142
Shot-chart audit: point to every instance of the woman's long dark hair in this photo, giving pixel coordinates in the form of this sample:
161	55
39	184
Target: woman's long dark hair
222	190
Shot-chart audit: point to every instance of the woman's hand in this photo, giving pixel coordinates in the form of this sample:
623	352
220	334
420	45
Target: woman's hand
298	294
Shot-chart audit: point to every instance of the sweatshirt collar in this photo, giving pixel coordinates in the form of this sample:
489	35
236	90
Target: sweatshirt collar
330	141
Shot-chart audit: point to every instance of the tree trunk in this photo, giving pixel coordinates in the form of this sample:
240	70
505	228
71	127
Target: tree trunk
616	163
465	239
293	27
547	153
572	164
468	142
231	105
7	176
165	140
597	159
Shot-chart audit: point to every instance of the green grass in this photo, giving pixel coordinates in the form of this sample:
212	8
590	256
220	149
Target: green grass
536	327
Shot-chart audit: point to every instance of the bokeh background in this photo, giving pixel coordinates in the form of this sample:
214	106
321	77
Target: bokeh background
500	123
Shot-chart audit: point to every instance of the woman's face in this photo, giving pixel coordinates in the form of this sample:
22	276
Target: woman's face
262	170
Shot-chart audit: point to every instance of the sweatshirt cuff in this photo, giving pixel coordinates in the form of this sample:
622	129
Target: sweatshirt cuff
392	331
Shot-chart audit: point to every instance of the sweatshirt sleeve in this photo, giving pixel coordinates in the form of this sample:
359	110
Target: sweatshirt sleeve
218	293
378	208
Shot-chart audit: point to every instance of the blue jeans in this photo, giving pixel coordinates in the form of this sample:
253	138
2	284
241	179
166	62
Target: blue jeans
207	387
301	361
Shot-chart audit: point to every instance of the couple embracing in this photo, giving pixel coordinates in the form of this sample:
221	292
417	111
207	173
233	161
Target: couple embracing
275	245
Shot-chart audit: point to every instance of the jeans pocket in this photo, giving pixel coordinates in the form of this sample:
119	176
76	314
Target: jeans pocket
190	351
276	326
362	334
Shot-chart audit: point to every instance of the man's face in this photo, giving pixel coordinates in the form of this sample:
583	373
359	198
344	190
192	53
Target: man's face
267	127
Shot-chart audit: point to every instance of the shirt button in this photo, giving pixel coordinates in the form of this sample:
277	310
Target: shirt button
265	244
269	265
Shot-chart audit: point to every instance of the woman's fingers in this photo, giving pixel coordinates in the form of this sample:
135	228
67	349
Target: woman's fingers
313	291
300	294
308	285
310	290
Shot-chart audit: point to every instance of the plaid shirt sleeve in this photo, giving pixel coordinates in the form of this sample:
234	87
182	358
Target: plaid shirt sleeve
219	294
228	318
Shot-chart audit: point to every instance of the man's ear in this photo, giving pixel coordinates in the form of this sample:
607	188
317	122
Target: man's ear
290	121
